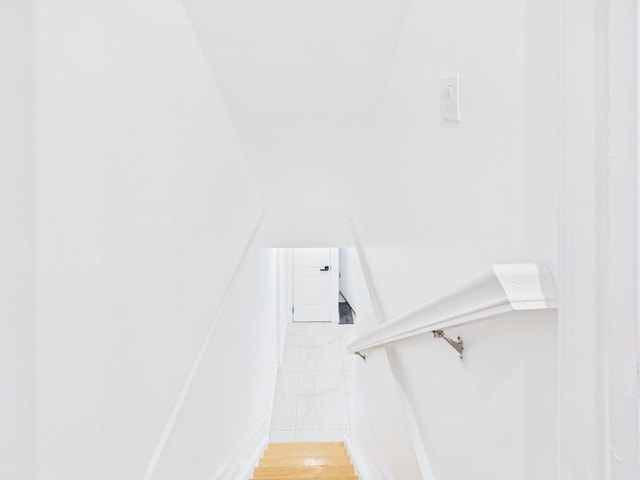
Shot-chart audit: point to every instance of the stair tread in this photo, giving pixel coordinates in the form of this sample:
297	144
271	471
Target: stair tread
306	444
298	453
305	461
322	477
307	470
316	477
310	448
332	452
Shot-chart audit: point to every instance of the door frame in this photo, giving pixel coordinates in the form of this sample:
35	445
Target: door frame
599	341
287	271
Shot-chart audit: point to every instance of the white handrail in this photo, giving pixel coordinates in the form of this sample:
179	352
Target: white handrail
501	289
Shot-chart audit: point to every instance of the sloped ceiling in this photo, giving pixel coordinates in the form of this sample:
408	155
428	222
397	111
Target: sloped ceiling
301	80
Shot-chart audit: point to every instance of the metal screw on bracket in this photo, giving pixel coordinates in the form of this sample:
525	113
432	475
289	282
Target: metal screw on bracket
458	345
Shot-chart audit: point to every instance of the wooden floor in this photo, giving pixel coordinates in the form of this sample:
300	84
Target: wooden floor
305	461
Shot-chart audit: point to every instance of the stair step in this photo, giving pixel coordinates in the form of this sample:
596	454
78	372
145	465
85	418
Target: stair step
317	477
298	445
304	471
292	450
305	461
308	476
306	451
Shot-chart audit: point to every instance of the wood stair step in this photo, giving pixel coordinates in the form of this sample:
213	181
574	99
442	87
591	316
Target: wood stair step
317	477
309	471
333	452
330	452
321	477
305	461
298	445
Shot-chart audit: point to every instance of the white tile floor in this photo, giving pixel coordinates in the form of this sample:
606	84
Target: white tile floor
315	394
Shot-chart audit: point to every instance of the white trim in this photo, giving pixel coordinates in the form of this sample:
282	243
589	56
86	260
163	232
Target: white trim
501	289
598	160
427	465
581	417
364	265
335	284
365	461
619	304
166	432
274	382
637	265
284	306
241	464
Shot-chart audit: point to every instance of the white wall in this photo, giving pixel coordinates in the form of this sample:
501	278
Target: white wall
380	425
497	409
441	202
233	392
349	265
437	193
17	242
145	204
387	439
301	80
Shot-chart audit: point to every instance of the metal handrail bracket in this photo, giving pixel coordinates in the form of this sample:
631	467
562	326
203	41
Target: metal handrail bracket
458	345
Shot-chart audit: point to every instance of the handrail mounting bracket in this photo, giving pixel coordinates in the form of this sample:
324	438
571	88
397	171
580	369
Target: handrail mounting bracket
362	356
458	345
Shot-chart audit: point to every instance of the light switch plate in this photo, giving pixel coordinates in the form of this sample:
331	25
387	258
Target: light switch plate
450	98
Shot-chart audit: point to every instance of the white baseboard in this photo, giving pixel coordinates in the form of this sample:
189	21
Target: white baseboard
241	464
364	460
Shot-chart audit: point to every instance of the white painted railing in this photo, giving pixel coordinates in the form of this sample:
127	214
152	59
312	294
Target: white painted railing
501	289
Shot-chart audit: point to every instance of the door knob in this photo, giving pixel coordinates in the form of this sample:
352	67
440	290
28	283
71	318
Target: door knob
325	269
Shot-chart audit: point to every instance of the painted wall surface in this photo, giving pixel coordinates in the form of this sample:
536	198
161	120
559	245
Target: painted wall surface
380	425
17	242
498	409
386	440
437	193
145	205
301	81
443	201
233	391
352	283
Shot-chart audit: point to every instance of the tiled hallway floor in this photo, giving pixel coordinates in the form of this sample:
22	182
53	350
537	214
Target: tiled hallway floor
315	396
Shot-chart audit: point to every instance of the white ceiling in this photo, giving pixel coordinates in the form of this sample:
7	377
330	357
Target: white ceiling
301	80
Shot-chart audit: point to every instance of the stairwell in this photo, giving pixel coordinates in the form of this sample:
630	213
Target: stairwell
311	460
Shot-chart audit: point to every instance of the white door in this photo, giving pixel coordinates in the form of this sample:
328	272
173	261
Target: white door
312	285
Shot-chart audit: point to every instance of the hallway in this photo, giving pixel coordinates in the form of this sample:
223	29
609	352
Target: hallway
159	160
315	389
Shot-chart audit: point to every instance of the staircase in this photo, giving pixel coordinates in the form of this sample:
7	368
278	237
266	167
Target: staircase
305	461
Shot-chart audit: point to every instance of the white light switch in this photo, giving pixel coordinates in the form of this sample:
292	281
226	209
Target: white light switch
450	98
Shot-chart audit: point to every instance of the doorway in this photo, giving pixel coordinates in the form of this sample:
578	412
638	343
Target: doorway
315	398
315	284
